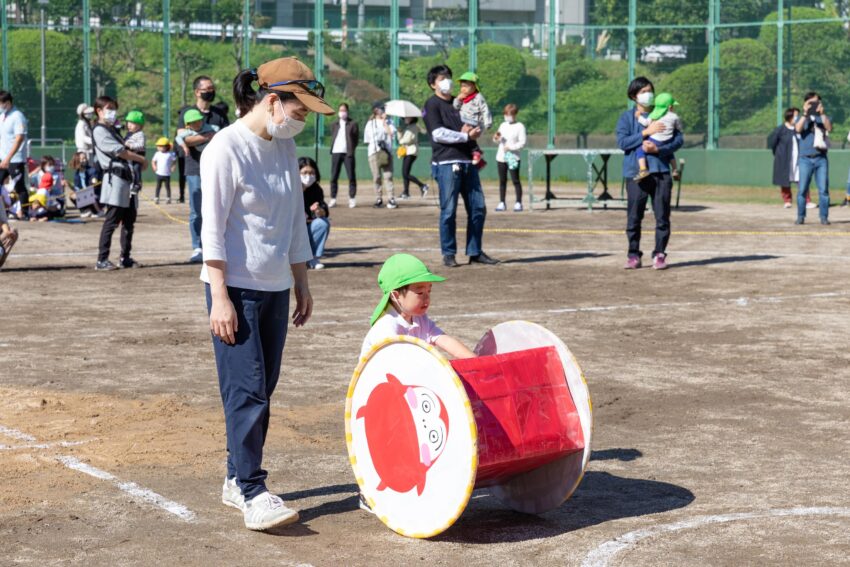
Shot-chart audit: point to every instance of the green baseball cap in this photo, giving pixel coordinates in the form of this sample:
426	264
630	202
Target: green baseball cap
469	76
136	117
662	103
398	271
192	115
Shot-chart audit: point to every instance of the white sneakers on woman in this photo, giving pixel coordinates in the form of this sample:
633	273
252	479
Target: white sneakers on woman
263	512
231	495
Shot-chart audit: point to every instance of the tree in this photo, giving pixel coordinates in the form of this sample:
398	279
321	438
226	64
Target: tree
747	78
590	107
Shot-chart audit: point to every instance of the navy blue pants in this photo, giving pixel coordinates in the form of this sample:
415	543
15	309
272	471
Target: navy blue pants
460	180
247	375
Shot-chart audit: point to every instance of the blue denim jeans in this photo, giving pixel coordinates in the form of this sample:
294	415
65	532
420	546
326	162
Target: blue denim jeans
817	166
195	220
318	231
460	180
248	372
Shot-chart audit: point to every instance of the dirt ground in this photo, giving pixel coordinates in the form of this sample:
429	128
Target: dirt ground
720	389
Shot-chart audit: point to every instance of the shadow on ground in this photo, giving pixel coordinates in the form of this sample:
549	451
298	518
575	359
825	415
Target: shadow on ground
724	260
557	258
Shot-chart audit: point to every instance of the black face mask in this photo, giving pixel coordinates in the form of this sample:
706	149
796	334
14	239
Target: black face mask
208	96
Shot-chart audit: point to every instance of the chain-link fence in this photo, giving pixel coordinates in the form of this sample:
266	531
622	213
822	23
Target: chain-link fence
733	66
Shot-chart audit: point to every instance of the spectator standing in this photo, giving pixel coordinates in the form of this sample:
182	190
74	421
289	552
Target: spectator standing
82	131
13	136
511	139
813	126
631	135
784	144
408	143
345	134
315	209
116	191
216	120
378	135
452	144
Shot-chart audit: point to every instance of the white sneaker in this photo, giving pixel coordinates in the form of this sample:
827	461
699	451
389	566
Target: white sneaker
231	494
318	266
811	205
352	203
86	215
267	511
500	207
197	256
332	203
787	205
391	204
517	207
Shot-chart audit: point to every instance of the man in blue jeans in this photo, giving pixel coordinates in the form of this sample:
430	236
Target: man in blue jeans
812	124
452	142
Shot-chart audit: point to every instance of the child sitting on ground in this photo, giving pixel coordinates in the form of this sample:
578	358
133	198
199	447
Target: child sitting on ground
163	166
135	142
473	111
664	114
43	206
195	124
406	283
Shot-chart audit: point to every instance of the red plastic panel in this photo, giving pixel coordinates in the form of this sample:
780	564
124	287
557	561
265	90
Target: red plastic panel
523	410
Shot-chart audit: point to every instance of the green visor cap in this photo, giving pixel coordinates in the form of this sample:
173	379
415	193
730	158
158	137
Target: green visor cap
398	271
192	115
662	103
469	76
136	117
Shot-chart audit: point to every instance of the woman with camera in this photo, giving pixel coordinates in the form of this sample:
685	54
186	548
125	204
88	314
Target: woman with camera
378	136
813	126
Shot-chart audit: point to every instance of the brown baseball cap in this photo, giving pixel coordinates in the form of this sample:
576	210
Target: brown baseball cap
289	75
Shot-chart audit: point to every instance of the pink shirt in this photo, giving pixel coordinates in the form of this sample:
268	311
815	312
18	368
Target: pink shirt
392	324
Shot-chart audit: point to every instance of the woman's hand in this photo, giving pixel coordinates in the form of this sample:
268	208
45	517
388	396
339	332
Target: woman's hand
653	128
224	323
303	299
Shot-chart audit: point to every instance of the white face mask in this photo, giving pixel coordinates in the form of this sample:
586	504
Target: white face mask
289	128
49	169
509	119
445	86
646	99
343	115
307	180
109	115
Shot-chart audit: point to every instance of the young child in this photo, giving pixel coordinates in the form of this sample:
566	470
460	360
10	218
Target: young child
135	142
664	114
473	110
194	121
42	206
406	283
163	166
83	179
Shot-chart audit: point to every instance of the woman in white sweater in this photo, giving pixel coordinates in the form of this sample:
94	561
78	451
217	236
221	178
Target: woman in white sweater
255	249
511	140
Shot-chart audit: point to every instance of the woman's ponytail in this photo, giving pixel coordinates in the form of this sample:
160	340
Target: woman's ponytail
243	91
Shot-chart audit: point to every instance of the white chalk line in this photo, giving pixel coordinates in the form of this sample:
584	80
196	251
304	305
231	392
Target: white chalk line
131	488
44	445
602	555
15	434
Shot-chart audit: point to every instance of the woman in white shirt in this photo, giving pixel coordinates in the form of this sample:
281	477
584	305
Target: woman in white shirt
255	249
408	138
511	140
82	131
378	136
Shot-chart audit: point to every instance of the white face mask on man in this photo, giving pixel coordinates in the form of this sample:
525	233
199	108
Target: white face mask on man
445	86
646	98
289	128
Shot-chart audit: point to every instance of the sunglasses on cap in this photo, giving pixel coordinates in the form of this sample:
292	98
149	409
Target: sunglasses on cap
312	86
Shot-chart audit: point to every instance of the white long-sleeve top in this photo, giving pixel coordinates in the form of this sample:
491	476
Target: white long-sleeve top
513	140
374	135
82	137
253	209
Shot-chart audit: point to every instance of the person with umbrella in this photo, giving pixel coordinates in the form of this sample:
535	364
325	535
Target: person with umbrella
408	142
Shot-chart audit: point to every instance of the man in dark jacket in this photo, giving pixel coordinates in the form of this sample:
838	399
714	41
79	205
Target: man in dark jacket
345	134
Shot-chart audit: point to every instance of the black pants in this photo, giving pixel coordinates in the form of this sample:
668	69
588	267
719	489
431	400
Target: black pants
166	180
405	174
18	170
126	217
181	177
503	181
337	160
659	186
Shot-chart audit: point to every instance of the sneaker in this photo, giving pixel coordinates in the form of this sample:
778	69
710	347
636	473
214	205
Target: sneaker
105	266
500	207
128	263
332	203
378	203
483	259
156	201
86	215
641	174
449	261
266	511
197	256
231	494
404	197
352	203
659	262
800	220
168	201
318	266
633	263
787	205
365	505
391	204
811	205
517	207
424	190
825	222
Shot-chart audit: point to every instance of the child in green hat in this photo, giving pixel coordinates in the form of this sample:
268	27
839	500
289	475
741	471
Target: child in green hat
135	142
195	124
473	110
406	283
663	113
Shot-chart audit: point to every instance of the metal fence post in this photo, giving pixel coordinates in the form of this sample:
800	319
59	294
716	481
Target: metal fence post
319	63
246	34
166	70
5	31
551	124
394	54
472	31
711	142
780	32
86	54
632	42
